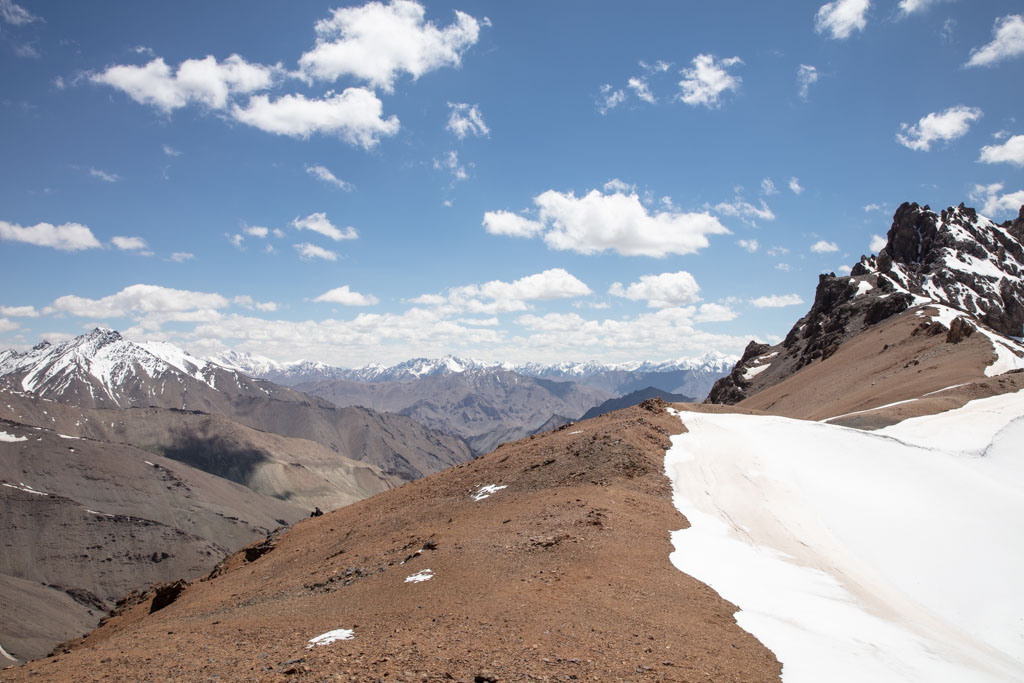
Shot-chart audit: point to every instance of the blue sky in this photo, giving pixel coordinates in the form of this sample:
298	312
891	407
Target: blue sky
512	181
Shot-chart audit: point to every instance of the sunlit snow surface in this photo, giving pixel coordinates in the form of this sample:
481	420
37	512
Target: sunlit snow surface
854	556
11	438
420	576
331	637
486	491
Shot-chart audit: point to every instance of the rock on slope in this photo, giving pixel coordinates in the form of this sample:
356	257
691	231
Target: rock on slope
547	558
940	305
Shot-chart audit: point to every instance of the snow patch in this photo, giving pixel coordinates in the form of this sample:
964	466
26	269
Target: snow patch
420	576
486	491
11	438
26	488
65	436
853	556
331	637
751	373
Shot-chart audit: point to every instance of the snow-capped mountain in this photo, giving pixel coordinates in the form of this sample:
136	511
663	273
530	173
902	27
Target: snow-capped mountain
959	272
287	374
102	369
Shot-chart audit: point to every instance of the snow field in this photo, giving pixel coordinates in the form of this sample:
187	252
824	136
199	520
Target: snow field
891	555
331	637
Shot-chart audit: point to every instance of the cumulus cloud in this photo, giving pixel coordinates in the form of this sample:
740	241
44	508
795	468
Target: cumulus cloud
749	245
872	207
878	243
617	221
128	243
171	152
346	297
1007	42
1010	152
715	313
246	301
19	311
660	291
376	42
823	247
465	120
794	186
842	17
137	300
256	231
66	237
8	325
309	252
204	81
318	222
182	256
995	204
15	14
324	174
806	76
910	6
642	89
777	301
498	296
707	80
945	126
768	187
354	115
610	98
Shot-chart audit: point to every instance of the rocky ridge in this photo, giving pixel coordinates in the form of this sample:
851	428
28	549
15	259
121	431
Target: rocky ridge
964	268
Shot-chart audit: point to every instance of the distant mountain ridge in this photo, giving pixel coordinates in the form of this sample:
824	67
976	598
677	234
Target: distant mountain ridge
690	376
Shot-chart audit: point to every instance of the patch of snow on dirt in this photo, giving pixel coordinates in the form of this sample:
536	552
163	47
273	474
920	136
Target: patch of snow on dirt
331	637
486	491
11	438
420	576
854	556
26	488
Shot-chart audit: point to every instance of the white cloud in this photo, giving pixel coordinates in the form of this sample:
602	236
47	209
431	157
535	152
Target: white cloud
19	311
104	176
842	17
945	126
610	98
642	89
878	243
745	211
450	162
616	222
8	325
256	231
139	300
15	14
1010	152
355	115
823	247
777	301
660	291
844	270
376	42
171	152
318	222
128	243
66	237
715	313
182	256
996	204
806	76
708	79
246	301
749	245
324	174
1007	42
236	240
768	187
498	296
872	207
346	297
911	6
309	251
27	51
794	186
778	251
466	120
204	81
511	224
278	232
784	267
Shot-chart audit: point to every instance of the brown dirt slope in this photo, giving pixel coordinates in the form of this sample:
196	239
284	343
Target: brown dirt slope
562	574
903	358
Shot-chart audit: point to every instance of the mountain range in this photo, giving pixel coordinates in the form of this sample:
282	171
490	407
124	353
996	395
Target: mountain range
825	513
